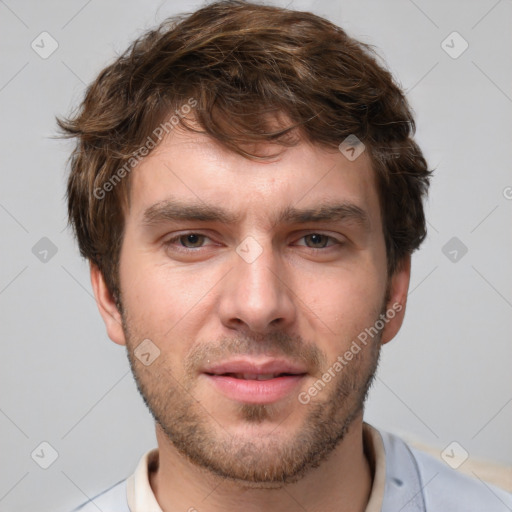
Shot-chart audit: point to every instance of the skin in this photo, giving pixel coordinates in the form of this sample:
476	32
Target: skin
304	298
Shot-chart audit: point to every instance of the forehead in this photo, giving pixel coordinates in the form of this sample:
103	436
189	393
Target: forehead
193	168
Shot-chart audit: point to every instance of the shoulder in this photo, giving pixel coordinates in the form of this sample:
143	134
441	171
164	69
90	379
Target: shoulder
448	489
441	487
111	500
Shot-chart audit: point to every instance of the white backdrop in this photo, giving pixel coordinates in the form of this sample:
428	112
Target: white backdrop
446	376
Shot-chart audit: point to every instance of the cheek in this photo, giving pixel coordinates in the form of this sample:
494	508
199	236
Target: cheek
167	305
148	293
340	306
147	281
344	299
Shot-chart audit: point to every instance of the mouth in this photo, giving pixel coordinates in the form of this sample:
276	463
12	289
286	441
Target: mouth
255	376
255	382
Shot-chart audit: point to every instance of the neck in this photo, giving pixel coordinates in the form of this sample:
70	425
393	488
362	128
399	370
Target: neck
341	483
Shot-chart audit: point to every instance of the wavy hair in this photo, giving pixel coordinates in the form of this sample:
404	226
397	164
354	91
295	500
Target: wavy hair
246	66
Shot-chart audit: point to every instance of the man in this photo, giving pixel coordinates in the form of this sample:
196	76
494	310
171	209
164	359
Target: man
247	190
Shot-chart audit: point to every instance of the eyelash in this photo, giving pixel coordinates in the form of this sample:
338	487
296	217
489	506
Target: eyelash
177	238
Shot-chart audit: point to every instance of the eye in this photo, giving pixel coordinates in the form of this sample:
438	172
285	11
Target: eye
188	240
318	240
192	240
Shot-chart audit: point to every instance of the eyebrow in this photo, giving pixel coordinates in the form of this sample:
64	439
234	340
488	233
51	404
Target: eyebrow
174	210
339	212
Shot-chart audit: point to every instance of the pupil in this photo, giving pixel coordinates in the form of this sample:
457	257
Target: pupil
317	240
191	240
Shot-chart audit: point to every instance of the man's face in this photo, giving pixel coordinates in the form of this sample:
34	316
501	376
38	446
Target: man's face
252	278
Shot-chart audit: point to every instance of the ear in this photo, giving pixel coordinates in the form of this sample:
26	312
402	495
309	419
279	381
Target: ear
107	307
395	306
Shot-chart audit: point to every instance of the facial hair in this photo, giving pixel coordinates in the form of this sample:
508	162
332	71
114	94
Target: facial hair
267	460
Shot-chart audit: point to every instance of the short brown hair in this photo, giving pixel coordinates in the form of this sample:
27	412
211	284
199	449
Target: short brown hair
243	64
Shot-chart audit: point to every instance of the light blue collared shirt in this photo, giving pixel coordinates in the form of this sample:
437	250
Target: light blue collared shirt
413	482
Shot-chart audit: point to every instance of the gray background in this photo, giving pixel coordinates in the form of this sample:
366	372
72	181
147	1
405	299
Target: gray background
445	377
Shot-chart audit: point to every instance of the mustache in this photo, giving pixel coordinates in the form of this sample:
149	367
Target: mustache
276	344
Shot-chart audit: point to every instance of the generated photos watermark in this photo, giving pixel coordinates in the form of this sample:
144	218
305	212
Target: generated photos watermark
343	360
151	142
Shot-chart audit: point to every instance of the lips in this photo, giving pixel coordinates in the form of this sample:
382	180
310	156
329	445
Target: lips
256	376
255	381
246	368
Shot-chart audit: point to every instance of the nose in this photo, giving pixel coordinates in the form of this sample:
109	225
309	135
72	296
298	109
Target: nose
255	295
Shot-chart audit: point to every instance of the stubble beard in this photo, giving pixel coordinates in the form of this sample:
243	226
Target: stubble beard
265	461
